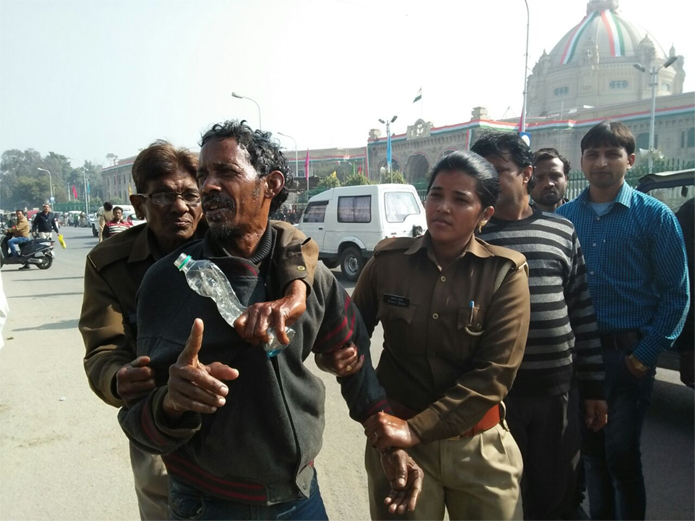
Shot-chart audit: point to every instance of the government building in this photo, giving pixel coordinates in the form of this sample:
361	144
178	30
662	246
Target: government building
599	70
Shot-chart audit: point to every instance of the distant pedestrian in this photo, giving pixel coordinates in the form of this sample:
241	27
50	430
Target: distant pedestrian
45	223
117	224
105	215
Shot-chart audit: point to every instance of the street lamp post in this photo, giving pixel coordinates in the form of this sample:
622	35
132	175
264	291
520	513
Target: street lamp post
239	96
654	81
296	157
50	182
86	195
388	144
523	106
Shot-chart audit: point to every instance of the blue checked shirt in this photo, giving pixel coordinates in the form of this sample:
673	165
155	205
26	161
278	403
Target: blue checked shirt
636	266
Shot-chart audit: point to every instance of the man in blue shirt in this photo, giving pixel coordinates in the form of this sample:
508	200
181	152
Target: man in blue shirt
638	279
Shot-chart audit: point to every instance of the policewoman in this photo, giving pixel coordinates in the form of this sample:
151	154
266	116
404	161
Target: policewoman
455	312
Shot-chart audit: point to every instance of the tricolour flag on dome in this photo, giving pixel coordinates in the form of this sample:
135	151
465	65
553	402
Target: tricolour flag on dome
419	96
571	46
614	33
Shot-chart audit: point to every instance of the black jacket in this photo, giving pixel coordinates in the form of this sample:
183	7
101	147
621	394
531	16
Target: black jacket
258	448
44	222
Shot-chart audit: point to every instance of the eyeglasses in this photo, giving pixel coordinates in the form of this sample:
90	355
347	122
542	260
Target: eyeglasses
168	198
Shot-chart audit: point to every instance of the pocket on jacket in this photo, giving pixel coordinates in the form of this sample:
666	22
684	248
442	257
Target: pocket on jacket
397	322
471	326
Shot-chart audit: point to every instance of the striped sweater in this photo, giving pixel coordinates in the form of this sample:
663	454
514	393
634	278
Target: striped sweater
563	341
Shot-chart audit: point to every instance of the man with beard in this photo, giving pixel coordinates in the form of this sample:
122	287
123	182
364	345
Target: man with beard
550	172
169	199
239	430
562	360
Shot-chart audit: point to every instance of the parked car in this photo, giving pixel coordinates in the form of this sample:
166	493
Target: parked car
131	217
675	189
348	222
94	223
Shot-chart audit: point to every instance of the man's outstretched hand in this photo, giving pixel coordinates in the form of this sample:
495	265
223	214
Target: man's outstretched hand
406	480
194	386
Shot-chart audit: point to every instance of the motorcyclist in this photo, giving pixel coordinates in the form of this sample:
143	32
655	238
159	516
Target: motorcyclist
20	234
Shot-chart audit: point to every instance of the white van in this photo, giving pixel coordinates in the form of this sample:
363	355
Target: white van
348	222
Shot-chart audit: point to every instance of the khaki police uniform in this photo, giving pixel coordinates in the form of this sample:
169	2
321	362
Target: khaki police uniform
113	273
453	341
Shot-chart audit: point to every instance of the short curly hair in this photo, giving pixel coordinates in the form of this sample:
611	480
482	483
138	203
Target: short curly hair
264	152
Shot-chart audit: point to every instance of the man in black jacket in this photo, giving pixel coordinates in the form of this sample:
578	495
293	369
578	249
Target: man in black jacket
239	430
44	223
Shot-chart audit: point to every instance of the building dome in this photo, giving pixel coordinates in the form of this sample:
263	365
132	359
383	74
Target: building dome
593	65
605	30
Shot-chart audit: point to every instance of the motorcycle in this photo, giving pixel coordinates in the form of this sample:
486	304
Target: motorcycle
36	251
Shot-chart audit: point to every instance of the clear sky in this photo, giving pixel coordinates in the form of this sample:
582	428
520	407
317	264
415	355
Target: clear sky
90	77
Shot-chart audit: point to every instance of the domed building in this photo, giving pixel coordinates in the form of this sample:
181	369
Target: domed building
593	66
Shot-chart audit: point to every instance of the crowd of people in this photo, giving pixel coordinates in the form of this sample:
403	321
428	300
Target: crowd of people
521	333
289	214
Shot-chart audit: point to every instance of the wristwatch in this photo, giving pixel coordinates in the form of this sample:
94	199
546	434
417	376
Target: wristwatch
637	364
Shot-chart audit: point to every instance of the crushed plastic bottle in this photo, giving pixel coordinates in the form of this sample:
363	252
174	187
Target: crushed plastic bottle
206	279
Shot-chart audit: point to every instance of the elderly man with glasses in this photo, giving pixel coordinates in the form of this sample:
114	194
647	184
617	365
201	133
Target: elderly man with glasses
169	199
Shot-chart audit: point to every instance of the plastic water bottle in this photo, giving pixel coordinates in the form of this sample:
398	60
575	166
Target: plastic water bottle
207	280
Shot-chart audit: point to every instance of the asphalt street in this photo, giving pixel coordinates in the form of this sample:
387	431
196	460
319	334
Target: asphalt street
64	456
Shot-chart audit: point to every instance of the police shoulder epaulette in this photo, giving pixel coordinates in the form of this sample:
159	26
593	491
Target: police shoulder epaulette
112	250
394	244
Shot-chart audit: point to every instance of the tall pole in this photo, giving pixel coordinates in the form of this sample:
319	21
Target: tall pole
388	144
50	181
239	96
296	156
388	148
523	106
654	79
86	197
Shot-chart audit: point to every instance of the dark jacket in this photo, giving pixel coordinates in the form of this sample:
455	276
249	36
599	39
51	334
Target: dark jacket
259	447
113	273
44	222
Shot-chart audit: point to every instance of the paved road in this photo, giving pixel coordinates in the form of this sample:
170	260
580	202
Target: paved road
63	455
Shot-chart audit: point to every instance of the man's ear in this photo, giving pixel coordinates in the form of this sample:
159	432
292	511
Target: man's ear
275	182
631	160
139	205
527	173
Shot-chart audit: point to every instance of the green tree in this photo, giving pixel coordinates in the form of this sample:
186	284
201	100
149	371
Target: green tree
395	177
29	192
23	185
330	181
356	179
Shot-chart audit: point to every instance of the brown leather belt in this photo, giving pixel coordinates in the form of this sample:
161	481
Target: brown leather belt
491	418
623	340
